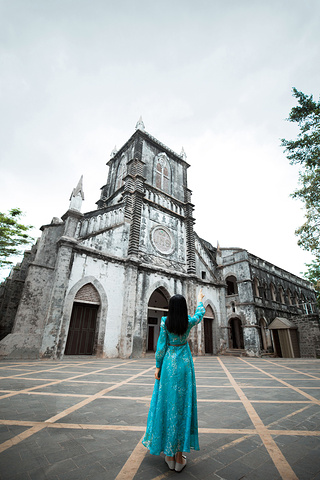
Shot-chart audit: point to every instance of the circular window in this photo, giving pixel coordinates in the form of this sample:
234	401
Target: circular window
162	240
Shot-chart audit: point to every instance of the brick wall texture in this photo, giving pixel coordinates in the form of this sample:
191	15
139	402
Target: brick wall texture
88	293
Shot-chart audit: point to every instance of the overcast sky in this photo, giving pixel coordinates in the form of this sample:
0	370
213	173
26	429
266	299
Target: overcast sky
213	76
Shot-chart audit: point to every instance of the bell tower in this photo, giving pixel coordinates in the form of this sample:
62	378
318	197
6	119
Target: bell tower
150	180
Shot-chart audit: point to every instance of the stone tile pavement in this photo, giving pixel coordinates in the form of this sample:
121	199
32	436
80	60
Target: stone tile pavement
83	418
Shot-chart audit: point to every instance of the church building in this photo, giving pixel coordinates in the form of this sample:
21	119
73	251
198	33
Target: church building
98	283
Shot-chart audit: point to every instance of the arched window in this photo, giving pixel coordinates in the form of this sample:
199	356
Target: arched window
304	304
232	288
162	173
264	292
122	168
289	295
273	292
256	285
296	299
309	305
281	295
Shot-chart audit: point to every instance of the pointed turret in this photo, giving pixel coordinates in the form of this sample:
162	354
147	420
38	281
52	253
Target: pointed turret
140	125
77	196
219	254
114	151
183	154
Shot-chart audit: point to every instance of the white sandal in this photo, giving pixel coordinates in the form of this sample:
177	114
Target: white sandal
180	466
171	463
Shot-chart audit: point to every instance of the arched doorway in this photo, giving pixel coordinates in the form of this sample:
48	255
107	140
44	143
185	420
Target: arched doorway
157	308
208	330
82	328
235	333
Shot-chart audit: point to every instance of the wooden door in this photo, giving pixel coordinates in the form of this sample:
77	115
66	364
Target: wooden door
82	329
150	338
276	343
208	340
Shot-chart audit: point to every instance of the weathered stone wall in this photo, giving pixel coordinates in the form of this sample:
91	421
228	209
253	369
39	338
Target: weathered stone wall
24	341
206	267
174	229
106	233
11	291
177	170
308	334
109	279
300	290
235	262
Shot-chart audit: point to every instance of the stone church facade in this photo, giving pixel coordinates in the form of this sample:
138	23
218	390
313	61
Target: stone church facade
98	283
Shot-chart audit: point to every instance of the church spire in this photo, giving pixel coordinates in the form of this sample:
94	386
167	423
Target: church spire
140	125
77	196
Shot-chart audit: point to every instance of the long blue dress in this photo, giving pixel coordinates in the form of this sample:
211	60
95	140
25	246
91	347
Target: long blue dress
172	420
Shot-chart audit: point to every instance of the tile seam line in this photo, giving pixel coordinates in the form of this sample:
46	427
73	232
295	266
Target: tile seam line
273	450
53	369
147	399
18	438
140	428
292	369
295	389
60	381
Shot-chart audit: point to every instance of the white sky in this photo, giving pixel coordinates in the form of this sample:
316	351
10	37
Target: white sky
214	76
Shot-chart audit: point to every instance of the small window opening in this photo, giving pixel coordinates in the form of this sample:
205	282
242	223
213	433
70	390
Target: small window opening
232	288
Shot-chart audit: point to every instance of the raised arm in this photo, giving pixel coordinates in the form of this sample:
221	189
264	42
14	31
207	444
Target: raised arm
200	310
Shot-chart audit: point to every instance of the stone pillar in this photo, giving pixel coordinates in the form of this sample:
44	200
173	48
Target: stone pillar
191	259
63	266
133	199
129	309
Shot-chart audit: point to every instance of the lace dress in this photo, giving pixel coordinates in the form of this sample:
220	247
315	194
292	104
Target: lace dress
172	420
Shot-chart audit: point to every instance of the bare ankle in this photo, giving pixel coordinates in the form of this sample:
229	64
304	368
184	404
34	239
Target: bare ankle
179	457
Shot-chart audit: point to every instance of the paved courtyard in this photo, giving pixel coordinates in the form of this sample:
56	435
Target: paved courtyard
84	418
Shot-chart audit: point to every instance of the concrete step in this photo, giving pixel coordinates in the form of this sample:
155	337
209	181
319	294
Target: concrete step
235	352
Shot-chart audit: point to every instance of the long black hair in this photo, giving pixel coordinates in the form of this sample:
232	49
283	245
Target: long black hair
177	319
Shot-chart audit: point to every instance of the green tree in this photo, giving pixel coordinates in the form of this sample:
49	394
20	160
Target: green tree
13	236
313	275
305	151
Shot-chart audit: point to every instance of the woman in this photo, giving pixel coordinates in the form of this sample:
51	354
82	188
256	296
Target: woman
172	421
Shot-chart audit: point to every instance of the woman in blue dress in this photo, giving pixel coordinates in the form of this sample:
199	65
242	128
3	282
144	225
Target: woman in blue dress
172	425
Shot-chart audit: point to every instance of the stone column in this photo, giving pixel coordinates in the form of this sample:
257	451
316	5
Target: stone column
63	266
133	198
129	309
191	259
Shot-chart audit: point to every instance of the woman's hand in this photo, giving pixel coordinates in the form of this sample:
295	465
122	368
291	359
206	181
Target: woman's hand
200	296
157	374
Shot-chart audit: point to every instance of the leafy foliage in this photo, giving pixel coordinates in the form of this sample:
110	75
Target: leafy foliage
306	148
305	151
313	275
13	236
